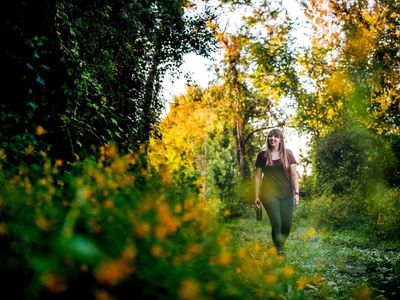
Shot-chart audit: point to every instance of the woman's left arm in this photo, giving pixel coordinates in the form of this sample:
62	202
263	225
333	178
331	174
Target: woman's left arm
295	183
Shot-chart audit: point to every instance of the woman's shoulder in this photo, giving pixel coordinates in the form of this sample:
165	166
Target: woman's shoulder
290	156
289	151
262	152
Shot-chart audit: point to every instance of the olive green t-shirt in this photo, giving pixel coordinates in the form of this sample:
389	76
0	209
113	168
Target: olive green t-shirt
276	181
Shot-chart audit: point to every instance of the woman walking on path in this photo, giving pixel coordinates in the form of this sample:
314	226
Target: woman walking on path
277	186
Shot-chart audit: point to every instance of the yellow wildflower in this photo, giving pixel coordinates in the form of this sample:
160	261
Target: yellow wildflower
287	272
103	295
226	213
58	163
40	130
160	232
363	293
189	289
141	229
108	203
302	283
156	250
317	279
42	223
111	272
271	251
224	258
224	238
129	253
311	233
29	150
2	154
111	150
271	279
86	193
178	208
55	283
241	253
3	229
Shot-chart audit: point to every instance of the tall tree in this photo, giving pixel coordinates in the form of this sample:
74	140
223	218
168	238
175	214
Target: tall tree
353	65
256	72
90	71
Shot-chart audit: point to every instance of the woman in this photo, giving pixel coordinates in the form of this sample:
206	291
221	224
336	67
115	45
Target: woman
277	187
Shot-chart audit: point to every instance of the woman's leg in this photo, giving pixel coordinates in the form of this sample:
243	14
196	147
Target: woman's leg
272	206
286	211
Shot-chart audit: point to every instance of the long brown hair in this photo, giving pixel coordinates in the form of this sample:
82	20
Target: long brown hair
282	150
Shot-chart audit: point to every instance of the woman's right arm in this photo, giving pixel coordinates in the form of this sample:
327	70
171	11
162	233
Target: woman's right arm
257	201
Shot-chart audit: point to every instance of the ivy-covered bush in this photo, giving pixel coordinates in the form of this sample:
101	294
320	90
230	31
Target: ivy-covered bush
90	72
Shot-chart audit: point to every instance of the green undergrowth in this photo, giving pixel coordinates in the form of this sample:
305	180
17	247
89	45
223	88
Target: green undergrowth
350	265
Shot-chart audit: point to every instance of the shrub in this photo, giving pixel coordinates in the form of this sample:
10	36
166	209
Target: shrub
383	209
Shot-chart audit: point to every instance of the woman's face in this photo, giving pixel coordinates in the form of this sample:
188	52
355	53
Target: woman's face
274	140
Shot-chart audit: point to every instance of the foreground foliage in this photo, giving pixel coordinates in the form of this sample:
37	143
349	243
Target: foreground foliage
112	228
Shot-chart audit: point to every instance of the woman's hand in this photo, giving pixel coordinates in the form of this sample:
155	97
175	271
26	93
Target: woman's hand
296	199
257	203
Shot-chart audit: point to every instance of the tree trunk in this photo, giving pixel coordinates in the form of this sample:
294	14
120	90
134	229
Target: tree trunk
241	150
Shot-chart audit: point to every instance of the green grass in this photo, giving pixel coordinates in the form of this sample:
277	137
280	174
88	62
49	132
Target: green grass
348	260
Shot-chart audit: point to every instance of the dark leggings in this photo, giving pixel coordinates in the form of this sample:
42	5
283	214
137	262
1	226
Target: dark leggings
280	213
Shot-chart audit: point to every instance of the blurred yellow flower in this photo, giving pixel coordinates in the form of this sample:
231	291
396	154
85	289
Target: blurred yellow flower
311	233
141	229
2	154
43	181
317	279
224	238
85	193
241	253
287	272
160	232
55	283
111	150
178	208
224	258
188	203
108	203
103	295
40	130
271	251
29	150
119	166
58	163
302	283
189	289
42	223
3	229
165	176
156	250
129	253
271	279
111	272
226	213
363	293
